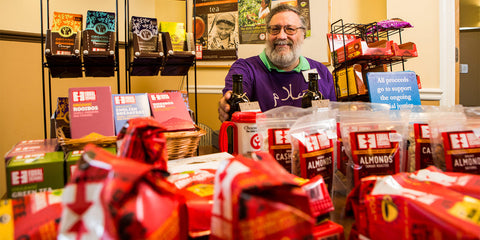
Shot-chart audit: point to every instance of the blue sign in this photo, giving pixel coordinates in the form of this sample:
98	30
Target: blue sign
393	88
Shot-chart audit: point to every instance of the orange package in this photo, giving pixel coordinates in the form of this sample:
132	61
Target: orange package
259	199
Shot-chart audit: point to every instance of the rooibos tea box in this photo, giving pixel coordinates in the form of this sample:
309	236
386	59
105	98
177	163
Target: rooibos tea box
91	111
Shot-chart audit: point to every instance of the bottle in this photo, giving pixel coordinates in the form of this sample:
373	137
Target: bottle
312	93
238	96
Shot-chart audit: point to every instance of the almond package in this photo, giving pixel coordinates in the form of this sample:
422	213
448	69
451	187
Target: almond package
313	146
455	141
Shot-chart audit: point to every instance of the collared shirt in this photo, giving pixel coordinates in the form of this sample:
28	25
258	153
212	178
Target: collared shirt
302	65
274	88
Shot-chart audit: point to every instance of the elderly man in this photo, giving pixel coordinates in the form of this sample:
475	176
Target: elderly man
278	76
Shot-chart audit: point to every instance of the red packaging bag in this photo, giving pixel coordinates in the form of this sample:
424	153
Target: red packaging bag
273	127
320	200
34	216
375	142
197	188
468	184
259	199
143	140
343	168
111	197
403	208
313	149
455	141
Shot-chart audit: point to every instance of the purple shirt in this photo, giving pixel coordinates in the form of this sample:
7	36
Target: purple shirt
274	89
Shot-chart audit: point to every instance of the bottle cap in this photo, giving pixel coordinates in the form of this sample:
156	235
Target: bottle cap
237	77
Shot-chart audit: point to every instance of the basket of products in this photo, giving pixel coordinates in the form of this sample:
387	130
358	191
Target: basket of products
183	144
180	144
69	144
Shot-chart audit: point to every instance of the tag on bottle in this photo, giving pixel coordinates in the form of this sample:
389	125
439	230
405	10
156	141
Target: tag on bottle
320	103
249	107
306	72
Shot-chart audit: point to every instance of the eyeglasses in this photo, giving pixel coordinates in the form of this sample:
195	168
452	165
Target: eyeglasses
276	29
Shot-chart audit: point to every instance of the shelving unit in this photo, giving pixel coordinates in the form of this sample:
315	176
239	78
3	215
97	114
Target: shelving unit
128	55
370	34
47	84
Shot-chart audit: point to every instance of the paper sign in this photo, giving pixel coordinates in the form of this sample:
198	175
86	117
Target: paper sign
393	88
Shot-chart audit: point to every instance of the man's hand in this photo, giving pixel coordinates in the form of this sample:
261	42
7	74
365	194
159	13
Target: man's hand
224	107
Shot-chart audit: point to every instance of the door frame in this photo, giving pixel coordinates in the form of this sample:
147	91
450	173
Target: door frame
449	65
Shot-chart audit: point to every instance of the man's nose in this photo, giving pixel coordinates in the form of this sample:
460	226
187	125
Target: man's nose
282	34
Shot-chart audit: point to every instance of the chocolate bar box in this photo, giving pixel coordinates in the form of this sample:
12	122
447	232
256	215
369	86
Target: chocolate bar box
31	173
147	31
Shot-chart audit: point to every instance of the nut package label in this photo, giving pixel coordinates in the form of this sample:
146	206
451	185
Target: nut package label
423	151
316	157
462	151
280	147
374	153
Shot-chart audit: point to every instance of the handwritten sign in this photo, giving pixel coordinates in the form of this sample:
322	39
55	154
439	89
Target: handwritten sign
393	88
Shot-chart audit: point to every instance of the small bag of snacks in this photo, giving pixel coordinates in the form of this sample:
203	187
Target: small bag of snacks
341	156
375	142
197	188
456	141
259	199
110	197
313	149
142	139
273	127
419	150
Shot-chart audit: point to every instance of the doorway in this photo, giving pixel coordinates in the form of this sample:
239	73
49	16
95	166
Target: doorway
469	51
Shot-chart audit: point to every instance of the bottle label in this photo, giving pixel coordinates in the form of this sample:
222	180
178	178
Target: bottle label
320	103
306	72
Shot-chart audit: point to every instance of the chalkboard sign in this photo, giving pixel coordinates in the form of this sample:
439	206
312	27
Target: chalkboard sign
393	88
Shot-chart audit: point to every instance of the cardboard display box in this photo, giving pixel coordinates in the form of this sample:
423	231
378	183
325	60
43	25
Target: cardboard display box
31	173
72	158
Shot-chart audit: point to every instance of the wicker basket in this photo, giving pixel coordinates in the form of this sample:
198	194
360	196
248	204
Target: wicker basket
184	143
180	144
69	144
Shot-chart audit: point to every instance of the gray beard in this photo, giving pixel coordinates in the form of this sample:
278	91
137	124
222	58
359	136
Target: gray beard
282	61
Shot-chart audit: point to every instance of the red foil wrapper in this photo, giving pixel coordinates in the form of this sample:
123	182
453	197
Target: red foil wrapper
36	216
110	197
143	140
197	188
259	199
401	207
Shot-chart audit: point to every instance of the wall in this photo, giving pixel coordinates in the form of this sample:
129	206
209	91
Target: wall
425	34
469	13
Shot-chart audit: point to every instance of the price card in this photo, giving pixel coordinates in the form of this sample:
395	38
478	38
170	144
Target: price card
249	107
320	103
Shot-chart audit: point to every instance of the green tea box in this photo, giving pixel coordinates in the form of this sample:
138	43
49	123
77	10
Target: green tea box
36	172
72	159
